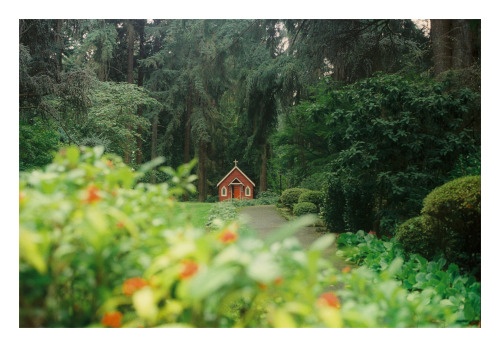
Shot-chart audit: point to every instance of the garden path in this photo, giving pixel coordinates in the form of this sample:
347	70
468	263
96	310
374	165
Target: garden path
265	219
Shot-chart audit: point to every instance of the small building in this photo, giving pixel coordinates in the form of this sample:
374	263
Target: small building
235	185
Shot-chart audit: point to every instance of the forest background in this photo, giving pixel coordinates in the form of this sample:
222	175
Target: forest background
252	151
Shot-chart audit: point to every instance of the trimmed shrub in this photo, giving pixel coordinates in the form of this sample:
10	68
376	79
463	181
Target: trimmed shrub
290	197
415	235
303	208
316	197
455	209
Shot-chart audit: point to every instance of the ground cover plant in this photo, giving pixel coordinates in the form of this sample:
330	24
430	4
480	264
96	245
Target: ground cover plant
441	281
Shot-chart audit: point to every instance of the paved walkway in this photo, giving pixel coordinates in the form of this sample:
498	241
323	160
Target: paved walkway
265	219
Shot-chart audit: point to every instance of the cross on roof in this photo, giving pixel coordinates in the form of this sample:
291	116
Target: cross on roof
235	162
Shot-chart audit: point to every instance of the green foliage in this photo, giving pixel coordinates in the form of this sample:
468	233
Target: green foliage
416	236
303	208
467	165
316	181
113	116
394	139
348	203
37	144
455	213
82	231
453	299
315	197
97	249
221	213
290	197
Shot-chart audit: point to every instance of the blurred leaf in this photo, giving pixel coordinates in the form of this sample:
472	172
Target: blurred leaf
29	251
151	164
207	283
263	268
144	303
323	242
290	229
282	319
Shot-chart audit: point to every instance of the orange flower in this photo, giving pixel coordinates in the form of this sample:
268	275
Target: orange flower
92	195
228	236
21	196
278	281
133	284
262	286
346	269
120	225
112	319
189	268
110	164
329	299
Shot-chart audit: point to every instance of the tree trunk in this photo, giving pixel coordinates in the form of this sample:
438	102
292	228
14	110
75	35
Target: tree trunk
140	83
154	137
130	79
263	169
441	45
60	45
461	39
187	137
202	171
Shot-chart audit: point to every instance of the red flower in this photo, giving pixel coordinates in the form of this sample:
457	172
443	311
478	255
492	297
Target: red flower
228	236
189	269
112	319
372	232
120	225
278	281
346	269
92	195
131	285
329	299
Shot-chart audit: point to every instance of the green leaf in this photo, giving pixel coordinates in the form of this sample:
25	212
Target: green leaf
323	242
263	268
290	229
151	164
29	250
209	282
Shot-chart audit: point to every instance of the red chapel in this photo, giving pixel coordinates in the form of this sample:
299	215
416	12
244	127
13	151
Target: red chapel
235	185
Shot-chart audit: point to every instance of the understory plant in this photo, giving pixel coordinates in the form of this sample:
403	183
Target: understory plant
441	281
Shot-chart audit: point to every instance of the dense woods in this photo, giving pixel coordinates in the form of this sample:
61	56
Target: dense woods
374	125
274	94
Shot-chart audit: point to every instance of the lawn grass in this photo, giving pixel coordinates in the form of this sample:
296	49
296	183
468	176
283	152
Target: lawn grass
197	212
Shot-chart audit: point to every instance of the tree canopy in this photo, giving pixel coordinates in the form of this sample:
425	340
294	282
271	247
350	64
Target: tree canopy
298	99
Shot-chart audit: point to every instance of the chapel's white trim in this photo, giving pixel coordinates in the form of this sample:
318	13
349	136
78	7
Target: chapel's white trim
234	168
223	191
247	191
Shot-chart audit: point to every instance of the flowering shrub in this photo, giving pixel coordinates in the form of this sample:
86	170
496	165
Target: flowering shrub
99	249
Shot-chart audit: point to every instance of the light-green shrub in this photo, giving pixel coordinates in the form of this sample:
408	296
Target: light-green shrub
303	208
315	197
290	197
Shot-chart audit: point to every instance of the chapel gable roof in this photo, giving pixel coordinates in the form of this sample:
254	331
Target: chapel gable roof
235	168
